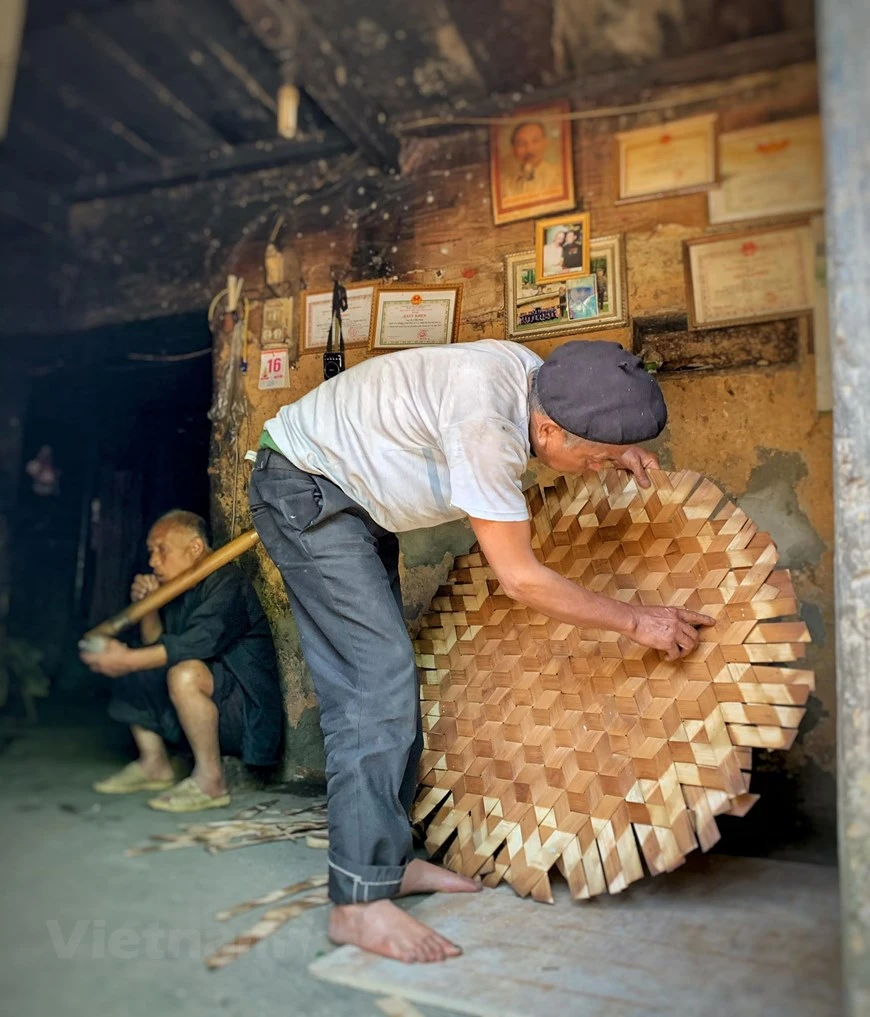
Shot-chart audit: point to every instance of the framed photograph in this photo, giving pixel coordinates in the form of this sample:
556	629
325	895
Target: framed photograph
555	308
562	247
406	317
744	277
531	163
356	321
672	158
769	170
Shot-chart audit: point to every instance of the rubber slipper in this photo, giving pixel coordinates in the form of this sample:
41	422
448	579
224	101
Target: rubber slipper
188	796
131	778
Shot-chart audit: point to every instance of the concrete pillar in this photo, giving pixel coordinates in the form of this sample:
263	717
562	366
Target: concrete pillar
844	55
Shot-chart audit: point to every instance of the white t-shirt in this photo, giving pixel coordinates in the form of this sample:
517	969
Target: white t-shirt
422	436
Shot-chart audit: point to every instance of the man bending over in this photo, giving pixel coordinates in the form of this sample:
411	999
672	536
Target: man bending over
205	674
411	440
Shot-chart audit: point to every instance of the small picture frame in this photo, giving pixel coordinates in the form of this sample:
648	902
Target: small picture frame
356	321
677	157
536	312
562	247
413	316
531	163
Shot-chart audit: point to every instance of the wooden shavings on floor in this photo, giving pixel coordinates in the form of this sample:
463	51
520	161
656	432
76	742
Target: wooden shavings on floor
243	831
265	927
273	897
270	922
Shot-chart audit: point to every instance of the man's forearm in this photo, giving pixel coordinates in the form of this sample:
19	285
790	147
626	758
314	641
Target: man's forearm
146	657
546	591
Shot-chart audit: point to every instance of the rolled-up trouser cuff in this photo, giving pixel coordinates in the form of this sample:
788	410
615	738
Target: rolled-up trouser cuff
359	884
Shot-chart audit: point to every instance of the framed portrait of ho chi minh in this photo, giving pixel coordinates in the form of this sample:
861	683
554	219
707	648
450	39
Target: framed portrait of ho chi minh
531	163
738	278
677	157
769	170
583	303
356	321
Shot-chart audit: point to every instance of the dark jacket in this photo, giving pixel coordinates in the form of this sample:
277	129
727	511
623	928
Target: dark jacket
221	619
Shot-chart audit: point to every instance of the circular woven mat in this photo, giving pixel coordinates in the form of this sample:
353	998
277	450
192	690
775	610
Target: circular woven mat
551	746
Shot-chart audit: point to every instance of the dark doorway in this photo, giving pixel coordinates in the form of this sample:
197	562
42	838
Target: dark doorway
122	414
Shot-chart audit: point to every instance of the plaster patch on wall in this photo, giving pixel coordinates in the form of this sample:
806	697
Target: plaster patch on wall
771	501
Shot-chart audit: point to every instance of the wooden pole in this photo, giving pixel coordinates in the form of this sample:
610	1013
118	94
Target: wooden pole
169	591
844	78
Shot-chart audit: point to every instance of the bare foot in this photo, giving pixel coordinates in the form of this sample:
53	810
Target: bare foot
424	877
211	784
157	769
380	927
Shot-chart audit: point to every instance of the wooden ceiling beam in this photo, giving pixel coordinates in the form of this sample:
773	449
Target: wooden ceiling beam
287	29
104	42
765	53
247	158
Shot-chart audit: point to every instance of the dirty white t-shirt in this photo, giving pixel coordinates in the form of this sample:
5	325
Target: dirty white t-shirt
422	436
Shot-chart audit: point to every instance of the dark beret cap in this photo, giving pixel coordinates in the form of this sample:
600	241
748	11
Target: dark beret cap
601	392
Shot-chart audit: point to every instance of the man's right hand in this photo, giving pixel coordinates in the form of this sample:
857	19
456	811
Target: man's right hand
671	629
142	586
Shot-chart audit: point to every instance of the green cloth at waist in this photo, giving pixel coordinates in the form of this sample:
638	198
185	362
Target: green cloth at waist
267	442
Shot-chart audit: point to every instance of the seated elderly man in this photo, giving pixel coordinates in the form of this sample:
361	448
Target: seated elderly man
206	672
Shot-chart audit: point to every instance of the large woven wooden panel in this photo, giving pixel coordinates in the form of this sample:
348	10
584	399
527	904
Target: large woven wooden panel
547	746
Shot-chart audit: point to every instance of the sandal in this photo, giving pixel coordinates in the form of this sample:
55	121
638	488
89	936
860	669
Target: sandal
129	779
188	796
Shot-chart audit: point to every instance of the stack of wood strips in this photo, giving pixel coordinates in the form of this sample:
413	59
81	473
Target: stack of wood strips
550	746
257	825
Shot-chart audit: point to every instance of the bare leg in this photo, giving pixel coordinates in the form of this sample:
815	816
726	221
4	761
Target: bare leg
190	689
152	753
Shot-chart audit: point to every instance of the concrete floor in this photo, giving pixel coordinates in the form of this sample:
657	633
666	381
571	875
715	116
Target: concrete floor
86	931
64	870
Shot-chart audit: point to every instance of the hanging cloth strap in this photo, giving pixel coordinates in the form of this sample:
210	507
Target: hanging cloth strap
339	304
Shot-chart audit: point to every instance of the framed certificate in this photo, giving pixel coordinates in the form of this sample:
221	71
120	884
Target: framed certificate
745	277
672	158
534	311
772	169
356	321
420	316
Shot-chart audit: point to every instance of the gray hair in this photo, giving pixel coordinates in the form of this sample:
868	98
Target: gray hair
536	406
187	521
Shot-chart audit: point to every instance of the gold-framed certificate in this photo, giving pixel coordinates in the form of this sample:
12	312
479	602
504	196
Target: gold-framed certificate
671	158
356	321
768	170
752	276
420	316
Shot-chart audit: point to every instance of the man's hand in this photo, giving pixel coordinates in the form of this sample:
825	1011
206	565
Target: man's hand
638	461
671	629
113	660
142	586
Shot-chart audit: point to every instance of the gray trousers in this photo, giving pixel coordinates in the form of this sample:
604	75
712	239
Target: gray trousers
341	570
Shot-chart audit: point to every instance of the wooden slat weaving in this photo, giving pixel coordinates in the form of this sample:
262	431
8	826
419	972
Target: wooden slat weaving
550	746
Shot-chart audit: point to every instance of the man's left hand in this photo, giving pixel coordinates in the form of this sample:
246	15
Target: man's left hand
112	661
638	461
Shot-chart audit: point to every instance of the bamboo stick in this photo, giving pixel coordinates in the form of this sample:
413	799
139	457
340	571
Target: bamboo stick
175	587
